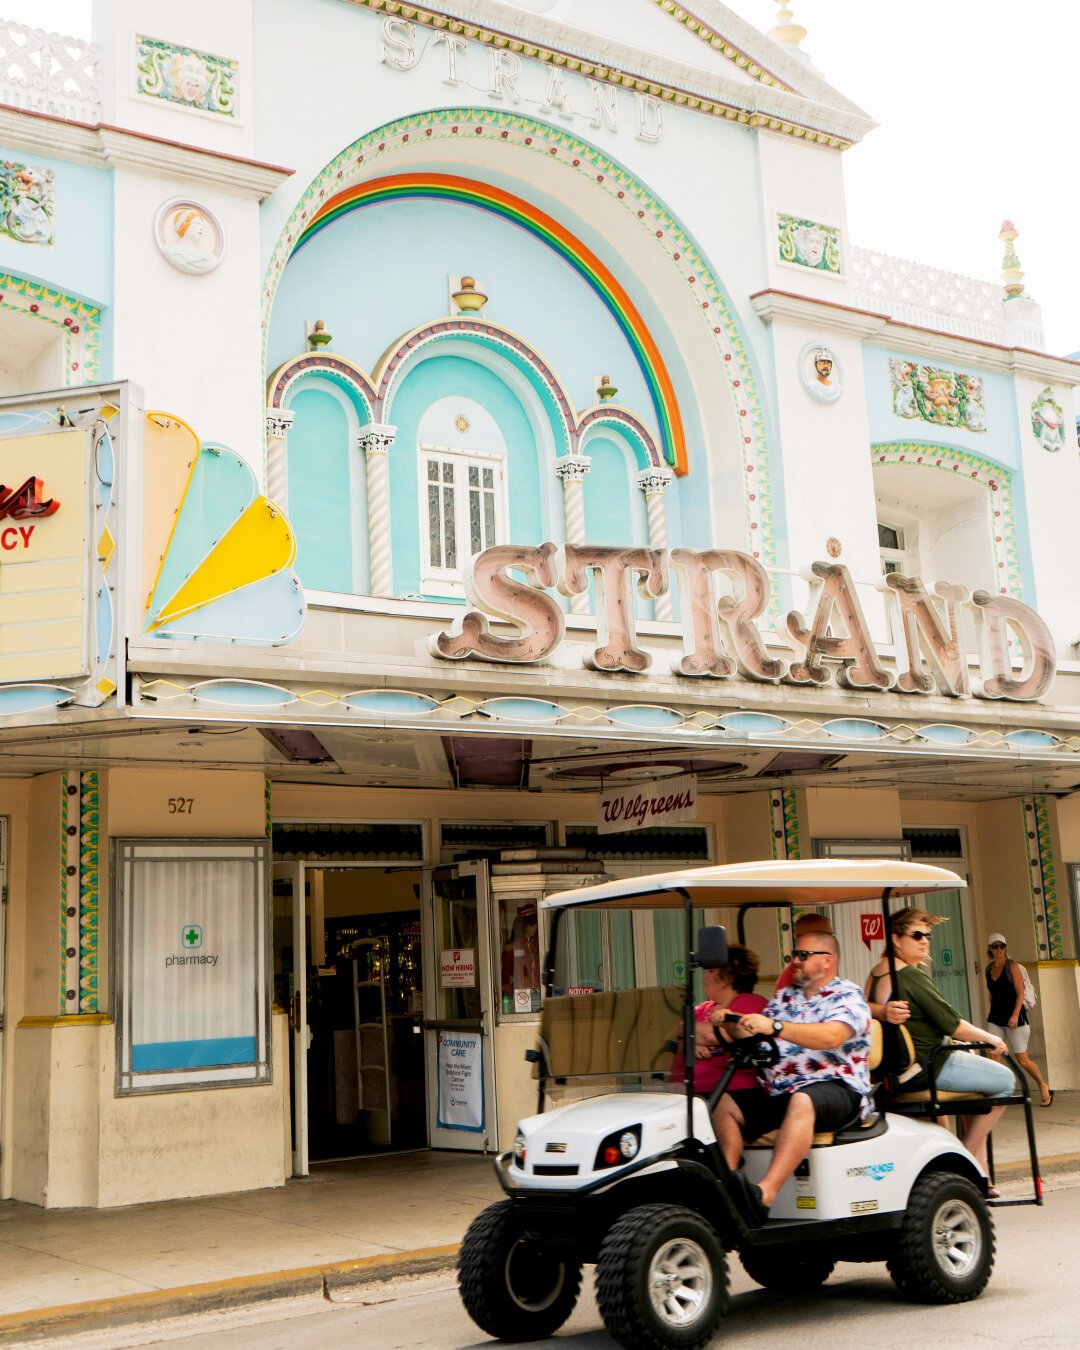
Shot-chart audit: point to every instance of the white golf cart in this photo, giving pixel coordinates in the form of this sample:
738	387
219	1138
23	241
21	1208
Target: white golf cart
634	1181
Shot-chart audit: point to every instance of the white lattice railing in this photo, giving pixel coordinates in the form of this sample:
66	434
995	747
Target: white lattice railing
47	72
931	298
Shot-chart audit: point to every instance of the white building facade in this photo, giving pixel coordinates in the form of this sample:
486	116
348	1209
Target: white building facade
432	435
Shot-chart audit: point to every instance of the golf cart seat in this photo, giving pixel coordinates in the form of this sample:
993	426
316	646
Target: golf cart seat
855	1131
927	1101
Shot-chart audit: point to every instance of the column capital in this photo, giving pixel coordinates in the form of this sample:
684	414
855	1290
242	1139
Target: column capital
572	468
375	438
654	479
279	421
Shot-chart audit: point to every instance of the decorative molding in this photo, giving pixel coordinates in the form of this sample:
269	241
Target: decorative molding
49	73
1048	421
944	398
1045	912
927	297
89	889
809	244
190	79
654	482
975	468
65	1020
79	322
719	323
572	469
102	146
757	104
279	422
610	415
79	895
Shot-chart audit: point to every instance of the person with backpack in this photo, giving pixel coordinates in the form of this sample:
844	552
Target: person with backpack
1011	995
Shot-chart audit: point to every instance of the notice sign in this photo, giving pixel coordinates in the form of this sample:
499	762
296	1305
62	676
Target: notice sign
457	968
460	1080
872	927
659	803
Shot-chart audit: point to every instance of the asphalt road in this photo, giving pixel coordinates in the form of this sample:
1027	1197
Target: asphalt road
1029	1303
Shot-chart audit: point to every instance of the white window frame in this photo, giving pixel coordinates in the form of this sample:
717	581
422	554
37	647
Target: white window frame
908	558
448	580
132	889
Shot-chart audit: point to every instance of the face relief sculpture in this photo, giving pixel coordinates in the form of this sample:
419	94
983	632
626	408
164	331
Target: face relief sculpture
536	617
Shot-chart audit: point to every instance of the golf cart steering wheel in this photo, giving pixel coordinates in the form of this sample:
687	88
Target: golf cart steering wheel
758	1052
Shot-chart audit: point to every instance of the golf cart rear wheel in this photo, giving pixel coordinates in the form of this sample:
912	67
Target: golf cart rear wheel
788	1270
661	1279
945	1251
513	1288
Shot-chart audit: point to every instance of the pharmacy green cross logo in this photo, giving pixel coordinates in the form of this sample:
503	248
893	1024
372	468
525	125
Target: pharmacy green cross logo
192	936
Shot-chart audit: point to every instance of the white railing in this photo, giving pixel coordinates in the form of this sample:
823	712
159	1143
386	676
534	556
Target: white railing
931	298
50	73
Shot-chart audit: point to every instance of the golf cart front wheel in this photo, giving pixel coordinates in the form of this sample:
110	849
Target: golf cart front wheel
945	1251
661	1279
513	1288
788	1270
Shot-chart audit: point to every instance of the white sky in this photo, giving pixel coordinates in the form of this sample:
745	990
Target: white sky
975	101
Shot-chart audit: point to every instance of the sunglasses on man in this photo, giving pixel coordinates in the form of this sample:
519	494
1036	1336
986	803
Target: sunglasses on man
801	954
918	935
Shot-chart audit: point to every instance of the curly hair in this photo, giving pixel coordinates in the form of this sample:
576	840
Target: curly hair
740	969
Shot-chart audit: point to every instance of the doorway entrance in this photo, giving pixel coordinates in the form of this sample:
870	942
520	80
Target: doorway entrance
347	967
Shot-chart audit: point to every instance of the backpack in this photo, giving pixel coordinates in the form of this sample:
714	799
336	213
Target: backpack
1030	996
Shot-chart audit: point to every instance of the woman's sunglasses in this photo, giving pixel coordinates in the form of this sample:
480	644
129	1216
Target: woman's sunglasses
992	945
918	935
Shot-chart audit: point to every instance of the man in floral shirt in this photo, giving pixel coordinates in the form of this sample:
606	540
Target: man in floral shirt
821	1025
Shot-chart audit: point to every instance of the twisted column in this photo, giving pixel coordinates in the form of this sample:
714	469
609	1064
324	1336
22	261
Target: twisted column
278	424
654	482
375	440
571	471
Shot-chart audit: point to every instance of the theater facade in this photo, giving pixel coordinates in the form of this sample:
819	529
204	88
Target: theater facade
451	452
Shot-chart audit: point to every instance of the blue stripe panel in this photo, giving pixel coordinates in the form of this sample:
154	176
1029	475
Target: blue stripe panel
269	611
209	1054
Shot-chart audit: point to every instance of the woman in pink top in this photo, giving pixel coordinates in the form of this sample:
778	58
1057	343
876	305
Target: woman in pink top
729	987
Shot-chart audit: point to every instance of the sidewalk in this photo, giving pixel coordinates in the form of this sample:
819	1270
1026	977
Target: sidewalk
347	1221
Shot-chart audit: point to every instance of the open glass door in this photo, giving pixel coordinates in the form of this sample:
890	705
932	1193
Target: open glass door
290	992
460	1049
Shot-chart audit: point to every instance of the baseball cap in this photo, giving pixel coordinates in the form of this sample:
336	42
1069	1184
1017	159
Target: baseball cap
996	937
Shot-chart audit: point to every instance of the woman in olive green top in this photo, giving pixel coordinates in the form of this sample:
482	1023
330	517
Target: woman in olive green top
930	1018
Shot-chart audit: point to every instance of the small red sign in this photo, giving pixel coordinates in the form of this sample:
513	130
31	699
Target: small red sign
872	927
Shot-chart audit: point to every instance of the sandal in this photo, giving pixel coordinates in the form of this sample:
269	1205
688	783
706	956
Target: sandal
1050	1100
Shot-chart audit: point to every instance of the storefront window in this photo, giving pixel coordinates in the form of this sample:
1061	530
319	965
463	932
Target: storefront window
519	965
192	989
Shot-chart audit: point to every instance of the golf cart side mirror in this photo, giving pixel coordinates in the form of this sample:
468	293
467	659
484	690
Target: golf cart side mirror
711	947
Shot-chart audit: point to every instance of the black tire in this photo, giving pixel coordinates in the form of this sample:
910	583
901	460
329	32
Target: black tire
662	1279
945	1250
512	1287
788	1270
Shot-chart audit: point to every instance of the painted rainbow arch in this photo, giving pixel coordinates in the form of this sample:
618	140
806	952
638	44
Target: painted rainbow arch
469	192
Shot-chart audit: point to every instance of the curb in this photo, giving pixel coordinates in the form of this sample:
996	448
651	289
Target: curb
37	1324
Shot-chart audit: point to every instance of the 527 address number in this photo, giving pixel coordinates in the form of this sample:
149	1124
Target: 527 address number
181	806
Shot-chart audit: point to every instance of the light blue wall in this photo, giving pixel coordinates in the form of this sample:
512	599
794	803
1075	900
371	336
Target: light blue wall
80	262
442	377
614	505
319	491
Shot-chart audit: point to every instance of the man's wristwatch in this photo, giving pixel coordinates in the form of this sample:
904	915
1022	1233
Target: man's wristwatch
777	1028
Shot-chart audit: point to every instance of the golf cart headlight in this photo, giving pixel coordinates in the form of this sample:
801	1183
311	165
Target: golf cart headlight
519	1150
618	1148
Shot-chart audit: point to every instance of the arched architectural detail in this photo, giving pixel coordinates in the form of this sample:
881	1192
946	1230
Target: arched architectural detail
675	250
79	322
994	477
647	451
426	341
334	368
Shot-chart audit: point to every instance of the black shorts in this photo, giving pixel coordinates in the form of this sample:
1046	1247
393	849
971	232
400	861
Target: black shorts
835	1105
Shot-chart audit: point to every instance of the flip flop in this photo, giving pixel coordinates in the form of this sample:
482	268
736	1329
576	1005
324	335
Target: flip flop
1050	1100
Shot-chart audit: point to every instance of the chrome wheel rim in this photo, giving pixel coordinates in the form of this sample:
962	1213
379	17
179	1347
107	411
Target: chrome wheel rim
680	1282
957	1239
533	1282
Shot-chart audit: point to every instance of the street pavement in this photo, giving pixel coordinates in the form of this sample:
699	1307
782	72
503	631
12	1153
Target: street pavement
1027	1304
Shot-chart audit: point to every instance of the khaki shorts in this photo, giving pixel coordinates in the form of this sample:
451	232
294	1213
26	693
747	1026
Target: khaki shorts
1016	1038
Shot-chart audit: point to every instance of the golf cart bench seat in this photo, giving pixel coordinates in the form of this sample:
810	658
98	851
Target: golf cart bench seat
622	1031
924	1102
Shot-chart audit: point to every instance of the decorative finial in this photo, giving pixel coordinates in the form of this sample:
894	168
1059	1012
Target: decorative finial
605	390
786	32
833	546
1011	276
318	336
468	299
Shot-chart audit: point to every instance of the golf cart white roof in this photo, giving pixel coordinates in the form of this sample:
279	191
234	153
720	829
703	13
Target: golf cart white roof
799	882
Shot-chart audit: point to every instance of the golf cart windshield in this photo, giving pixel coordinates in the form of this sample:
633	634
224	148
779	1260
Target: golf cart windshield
621	973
